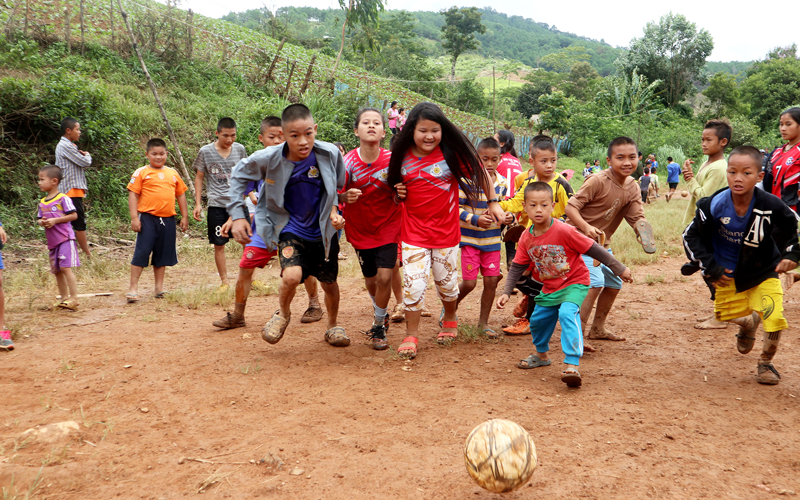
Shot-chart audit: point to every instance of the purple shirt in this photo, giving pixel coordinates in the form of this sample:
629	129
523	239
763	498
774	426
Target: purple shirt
59	206
302	199
256	240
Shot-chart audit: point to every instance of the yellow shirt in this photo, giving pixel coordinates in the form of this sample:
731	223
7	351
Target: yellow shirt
562	192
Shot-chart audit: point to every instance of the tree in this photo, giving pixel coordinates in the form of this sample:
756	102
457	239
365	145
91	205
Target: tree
723	95
581	77
459	31
358	12
555	114
673	51
772	85
527	101
563	60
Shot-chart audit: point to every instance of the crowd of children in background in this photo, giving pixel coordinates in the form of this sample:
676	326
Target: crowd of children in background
436	196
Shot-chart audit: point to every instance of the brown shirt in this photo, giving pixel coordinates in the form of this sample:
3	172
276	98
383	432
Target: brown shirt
603	203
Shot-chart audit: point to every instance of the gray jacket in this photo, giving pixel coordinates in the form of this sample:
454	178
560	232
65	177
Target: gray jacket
271	165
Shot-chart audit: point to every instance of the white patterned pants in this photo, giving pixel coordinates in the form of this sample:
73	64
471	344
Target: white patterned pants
417	265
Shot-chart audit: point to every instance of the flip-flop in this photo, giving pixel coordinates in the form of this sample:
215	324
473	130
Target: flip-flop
746	337
408	348
445	338
490	333
533	361
645	235
132	297
571	377
160	295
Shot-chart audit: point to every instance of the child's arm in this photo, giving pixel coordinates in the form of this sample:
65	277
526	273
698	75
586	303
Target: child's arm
78	157
133	209
3	235
198	189
698	252
336	219
182	205
515	204
601	254
48	223
574	215
785	235
716	179
252	168
515	272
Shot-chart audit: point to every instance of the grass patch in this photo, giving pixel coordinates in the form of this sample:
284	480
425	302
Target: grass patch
653	279
193	298
251	368
12	493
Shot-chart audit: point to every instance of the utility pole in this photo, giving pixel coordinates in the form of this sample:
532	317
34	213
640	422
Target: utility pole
494	94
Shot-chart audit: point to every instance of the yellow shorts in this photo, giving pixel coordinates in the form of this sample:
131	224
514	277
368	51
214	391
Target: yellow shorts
766	299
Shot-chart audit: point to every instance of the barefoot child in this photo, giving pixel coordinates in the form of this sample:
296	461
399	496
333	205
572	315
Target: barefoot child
373	217
673	177
56	211
151	200
73	163
644	185
480	237
553	249
256	254
430	161
597	210
6	343
296	212
741	250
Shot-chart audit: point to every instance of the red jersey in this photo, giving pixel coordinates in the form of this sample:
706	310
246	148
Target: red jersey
786	175
555	256
373	220
430	210
509	167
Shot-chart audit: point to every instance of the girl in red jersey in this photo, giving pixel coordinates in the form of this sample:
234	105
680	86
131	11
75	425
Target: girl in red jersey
783	170
509	166
430	160
373	216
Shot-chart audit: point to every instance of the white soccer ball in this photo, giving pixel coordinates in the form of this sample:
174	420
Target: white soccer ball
500	455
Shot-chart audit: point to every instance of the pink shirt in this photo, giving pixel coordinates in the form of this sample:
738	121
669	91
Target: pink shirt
393	114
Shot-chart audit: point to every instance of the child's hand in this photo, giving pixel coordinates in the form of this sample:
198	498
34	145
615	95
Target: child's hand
784	266
136	225
226	227
241	231
724	279
485	221
351	195
337	221
688	174
502	301
626	275
496	212
594	233
47	223
184	224
197	213
252	196
3	236
84	153
509	219
401	190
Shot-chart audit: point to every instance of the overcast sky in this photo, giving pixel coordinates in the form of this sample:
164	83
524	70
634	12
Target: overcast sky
738	35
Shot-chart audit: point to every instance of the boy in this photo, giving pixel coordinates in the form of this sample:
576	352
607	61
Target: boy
654	184
644	185
217	159
597	210
55	211
6	343
480	237
256	254
673	177
710	178
296	212
552	250
543	159
72	162
742	238
637	174
151	202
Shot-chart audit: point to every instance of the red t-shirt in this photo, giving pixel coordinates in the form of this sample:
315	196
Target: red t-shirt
373	220
786	170
555	256
430	210
509	167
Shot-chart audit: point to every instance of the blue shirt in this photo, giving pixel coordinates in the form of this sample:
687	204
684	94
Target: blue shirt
730	230
673	172
302	199
654	166
256	240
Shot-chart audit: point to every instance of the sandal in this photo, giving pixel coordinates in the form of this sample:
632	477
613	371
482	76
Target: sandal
768	375
645	236
160	295
533	361
490	333
441	317
68	304
571	377
408	348
275	328
337	337
444	337
399	313
746	336
132	297
312	315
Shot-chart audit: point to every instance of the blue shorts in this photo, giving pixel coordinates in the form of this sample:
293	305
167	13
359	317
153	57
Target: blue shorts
1	261
601	276
157	237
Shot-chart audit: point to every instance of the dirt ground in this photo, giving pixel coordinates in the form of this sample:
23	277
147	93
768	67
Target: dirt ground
673	412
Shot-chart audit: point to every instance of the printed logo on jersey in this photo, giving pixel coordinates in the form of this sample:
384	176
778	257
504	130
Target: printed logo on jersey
725	220
384	174
437	171
756	232
287	252
550	261
313	172
161	175
790	161
56	207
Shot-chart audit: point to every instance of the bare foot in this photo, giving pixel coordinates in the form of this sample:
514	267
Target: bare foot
588	348
711	324
788	279
604	335
705	318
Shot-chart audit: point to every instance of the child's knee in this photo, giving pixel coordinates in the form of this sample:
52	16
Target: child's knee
491	281
468	285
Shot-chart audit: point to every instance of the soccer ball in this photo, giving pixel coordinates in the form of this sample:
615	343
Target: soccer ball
684	194
500	455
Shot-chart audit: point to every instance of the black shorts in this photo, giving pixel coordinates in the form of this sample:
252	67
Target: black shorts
157	237
310	256
79	224
372	259
217	216
673	185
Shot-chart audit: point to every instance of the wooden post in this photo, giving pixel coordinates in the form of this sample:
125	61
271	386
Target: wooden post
308	75
83	33
158	101
27	15
275	59
289	81
494	93
190	34
67	34
111	14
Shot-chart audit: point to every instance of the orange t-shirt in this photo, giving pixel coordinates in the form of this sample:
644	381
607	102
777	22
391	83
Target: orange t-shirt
76	193
157	189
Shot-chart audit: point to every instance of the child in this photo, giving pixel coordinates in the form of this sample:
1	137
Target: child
783	170
654	185
256	254
151	201
296	213
553	249
431	160
401	118
393	115
710	178
644	185
217	160
543	159
55	211
597	210
673	177
373	217
73	163
741	252
509	167
6	343
480	238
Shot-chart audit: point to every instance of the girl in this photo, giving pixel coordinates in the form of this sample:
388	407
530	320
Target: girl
373	217
401	118
783	169
430	161
393	115
509	165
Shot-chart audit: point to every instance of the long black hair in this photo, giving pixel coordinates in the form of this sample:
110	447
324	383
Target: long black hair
507	138
458	151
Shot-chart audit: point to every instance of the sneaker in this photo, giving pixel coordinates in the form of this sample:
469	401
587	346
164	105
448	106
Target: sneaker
767	374
521	308
521	327
230	320
377	335
6	343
